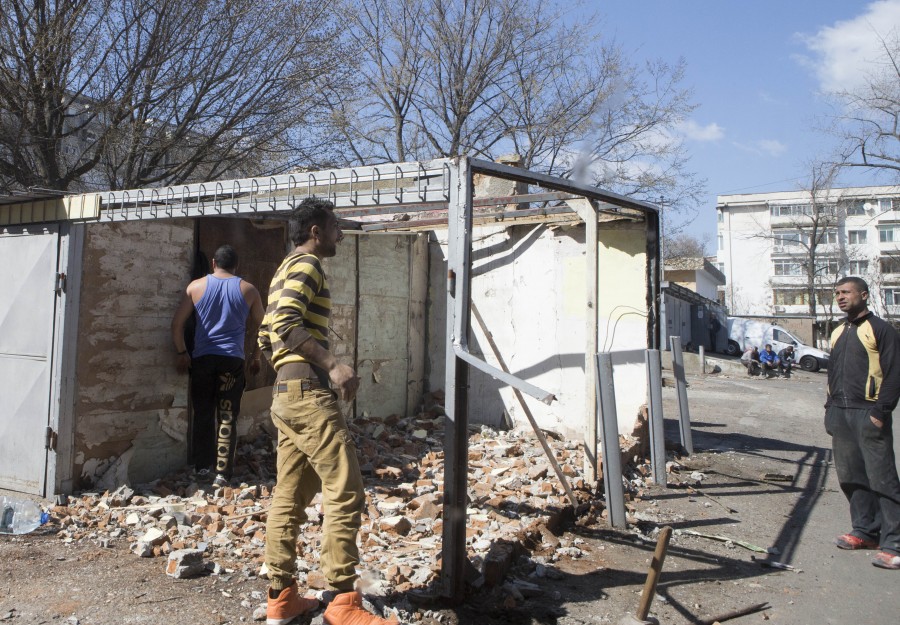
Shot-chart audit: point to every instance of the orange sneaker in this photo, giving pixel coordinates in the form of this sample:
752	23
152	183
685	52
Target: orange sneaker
849	541
288	605
346	609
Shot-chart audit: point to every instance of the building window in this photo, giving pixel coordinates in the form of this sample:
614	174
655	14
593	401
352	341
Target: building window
827	237
721	242
831	267
786	239
858	267
889	264
788	268
889	233
886	204
721	216
800	297
791	210
720	267
856	237
891	296
856	207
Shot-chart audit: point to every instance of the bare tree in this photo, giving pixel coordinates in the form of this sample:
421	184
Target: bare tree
809	236
126	93
487	77
376	120
686	246
880	284
869	121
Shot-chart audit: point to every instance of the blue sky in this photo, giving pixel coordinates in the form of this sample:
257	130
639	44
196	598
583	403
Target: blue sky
758	70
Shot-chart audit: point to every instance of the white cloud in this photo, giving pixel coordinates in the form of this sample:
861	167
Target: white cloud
763	147
772	147
844	53
694	131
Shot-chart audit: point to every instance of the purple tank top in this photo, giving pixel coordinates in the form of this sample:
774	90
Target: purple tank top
221	319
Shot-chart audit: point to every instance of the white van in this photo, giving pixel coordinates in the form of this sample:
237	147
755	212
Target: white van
744	333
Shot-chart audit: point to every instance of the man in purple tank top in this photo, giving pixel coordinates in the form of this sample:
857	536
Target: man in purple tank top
226	307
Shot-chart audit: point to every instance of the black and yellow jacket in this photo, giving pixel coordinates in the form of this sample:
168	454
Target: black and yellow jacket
863	370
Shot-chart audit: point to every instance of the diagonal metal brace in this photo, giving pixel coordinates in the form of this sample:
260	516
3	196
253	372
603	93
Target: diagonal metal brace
511	380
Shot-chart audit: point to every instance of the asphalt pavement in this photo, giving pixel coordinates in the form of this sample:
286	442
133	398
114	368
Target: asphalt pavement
750	427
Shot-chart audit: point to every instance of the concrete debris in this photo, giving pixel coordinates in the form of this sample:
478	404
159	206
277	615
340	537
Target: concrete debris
185	563
517	509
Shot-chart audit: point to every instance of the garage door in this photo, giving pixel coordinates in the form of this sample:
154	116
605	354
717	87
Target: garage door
28	266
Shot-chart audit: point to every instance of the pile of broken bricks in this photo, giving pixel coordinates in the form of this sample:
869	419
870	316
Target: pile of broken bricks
516	506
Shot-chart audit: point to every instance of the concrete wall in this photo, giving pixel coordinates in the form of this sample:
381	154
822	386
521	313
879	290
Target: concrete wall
706	285
378	286
131	405
390	338
529	284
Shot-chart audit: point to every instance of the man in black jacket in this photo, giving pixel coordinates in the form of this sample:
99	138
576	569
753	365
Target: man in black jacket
863	389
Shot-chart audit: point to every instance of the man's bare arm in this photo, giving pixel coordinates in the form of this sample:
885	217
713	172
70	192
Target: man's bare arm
182	314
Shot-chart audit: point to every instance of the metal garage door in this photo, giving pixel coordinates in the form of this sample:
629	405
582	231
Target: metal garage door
28	266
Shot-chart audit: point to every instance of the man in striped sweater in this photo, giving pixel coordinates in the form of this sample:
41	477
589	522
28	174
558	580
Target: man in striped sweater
315	450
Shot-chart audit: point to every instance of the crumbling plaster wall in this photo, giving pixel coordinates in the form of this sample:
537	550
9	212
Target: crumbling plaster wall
131	404
529	285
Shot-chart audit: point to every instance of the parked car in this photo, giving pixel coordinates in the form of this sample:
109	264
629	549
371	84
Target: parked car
744	333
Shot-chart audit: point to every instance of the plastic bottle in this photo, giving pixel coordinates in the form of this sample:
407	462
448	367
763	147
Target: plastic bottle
20	516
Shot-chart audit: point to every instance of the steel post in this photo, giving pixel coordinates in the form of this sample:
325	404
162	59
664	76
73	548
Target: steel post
453	555
612	454
684	415
656	424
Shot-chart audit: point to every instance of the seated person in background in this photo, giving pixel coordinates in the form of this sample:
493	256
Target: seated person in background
750	359
786	358
769	362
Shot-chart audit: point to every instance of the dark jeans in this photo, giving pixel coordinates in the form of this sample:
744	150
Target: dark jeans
867	473
217	383
768	367
785	368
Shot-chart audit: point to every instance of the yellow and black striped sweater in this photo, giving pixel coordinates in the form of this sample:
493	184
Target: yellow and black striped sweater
299	308
863	371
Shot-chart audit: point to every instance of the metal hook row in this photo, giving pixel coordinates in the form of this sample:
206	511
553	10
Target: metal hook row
133	204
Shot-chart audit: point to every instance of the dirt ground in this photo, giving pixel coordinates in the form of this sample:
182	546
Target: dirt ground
761	475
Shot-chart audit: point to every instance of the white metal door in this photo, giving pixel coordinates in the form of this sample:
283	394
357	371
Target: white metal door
28	266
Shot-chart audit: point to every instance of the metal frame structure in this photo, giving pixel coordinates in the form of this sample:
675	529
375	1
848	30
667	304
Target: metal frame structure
458	357
424	196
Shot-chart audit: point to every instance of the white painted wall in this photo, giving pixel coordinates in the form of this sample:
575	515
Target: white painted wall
529	284
706	285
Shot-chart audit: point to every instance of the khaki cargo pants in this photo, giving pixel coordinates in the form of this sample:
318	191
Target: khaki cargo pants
315	452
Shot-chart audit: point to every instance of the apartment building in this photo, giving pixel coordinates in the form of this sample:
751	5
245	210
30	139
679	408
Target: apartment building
775	249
